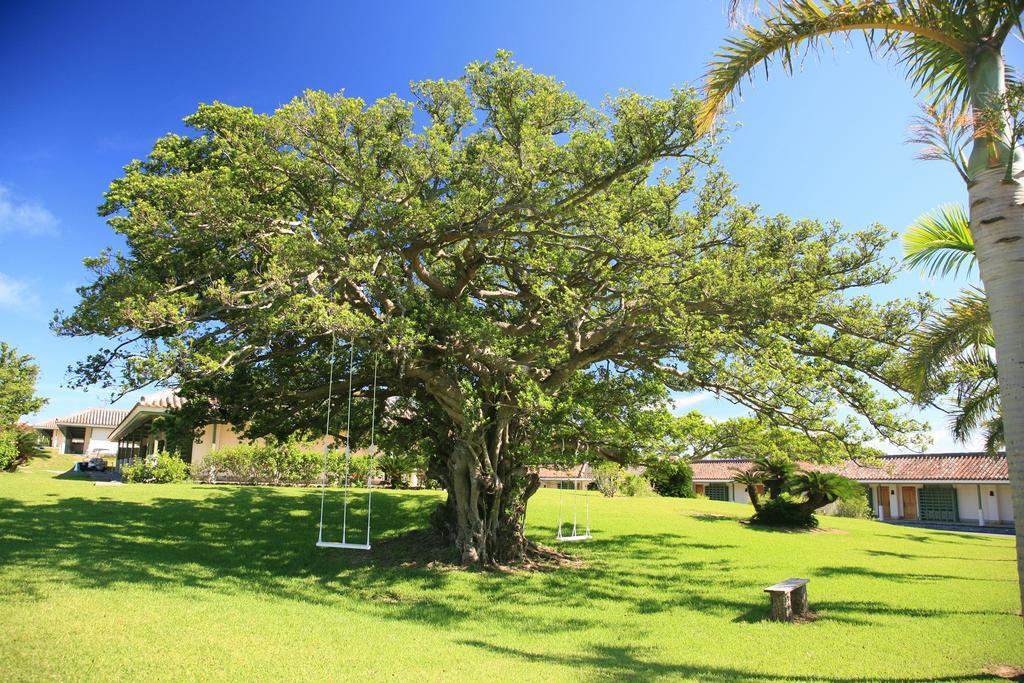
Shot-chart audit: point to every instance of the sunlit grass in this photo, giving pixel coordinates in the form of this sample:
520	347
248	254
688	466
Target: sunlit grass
184	582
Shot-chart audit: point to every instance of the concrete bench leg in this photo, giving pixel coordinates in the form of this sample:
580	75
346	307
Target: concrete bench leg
782	606
800	605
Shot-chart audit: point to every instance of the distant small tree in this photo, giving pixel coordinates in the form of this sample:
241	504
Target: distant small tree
18	376
673	478
608	477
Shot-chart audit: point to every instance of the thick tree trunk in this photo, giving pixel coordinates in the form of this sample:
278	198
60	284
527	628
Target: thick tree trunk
486	506
997	225
755	499
996	201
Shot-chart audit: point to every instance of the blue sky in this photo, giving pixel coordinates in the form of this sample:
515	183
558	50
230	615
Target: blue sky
86	87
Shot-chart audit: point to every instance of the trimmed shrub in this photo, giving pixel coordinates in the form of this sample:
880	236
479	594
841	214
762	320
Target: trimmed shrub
163	468
278	463
784	512
137	472
607	477
635	485
853	505
673	478
169	468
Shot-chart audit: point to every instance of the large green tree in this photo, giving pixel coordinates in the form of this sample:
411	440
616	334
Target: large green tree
953	49
514	267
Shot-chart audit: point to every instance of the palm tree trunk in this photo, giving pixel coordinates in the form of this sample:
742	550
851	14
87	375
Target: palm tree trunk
997	225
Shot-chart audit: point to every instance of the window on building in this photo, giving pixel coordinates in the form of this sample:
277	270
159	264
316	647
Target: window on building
717	491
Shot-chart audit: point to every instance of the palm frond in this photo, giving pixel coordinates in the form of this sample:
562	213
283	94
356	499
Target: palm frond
943	131
975	411
940	241
920	31
962	334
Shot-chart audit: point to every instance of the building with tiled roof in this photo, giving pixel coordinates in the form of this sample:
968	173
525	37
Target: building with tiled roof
971	488
86	432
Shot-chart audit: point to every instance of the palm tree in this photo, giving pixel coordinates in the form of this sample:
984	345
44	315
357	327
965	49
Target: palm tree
954	50
955	350
750	482
821	488
774	471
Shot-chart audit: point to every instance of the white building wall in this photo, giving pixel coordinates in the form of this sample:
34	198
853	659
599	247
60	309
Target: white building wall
967	502
98	441
740	494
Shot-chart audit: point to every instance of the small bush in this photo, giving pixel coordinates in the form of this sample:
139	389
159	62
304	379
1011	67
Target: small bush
673	478
8	450
635	485
855	506
163	468
784	512
169	468
608	477
137	472
17	445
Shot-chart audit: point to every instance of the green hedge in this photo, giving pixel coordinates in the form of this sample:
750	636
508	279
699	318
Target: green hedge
167	468
279	463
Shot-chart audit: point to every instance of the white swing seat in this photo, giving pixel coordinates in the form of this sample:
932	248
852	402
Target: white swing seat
578	537
346	546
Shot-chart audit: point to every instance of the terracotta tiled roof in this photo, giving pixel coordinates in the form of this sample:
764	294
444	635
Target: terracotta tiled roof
49	424
930	467
572	472
94	417
168	398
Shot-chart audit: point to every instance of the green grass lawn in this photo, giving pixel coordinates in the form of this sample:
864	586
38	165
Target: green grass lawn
182	582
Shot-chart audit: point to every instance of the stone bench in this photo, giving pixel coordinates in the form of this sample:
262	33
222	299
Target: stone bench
788	598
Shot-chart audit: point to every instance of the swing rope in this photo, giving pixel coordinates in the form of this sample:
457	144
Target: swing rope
575	535
347	479
348	442
327	434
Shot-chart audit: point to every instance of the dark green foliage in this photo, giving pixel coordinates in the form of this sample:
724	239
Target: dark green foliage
673	478
775	471
821	488
784	512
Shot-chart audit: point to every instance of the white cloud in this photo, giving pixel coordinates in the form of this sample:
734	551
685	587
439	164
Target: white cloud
681	403
24	217
16	294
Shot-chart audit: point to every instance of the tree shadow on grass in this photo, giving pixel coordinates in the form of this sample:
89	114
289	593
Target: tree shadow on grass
626	663
900	577
234	540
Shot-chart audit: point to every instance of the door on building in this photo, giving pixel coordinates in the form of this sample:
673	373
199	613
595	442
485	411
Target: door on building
883	494
909	502
990	504
698	489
